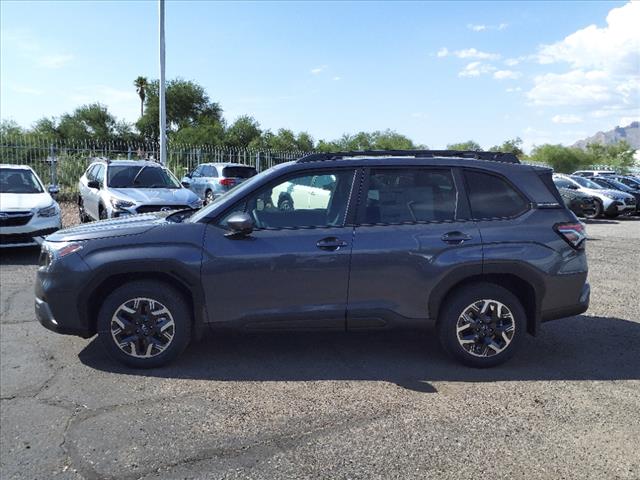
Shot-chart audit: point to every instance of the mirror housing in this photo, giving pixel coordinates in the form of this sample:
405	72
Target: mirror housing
53	190
93	184
186	184
241	225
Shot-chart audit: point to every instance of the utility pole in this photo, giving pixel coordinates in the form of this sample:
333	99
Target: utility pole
163	106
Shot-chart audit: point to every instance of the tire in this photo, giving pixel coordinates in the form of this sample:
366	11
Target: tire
285	204
481	351
208	197
82	215
102	213
153	340
596	212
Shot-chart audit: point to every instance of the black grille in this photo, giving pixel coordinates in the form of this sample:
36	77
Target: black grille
14	219
14	238
159	208
630	201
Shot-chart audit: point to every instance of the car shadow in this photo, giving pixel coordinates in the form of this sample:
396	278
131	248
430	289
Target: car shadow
578	348
596	221
19	255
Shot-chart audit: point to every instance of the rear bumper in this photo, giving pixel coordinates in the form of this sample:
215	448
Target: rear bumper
577	308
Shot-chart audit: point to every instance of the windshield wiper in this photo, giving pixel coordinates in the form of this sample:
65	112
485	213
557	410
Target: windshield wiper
135	179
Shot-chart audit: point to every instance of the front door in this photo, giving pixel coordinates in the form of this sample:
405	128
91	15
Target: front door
293	270
408	239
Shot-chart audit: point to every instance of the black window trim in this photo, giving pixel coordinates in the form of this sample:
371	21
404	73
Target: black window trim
527	201
362	203
349	216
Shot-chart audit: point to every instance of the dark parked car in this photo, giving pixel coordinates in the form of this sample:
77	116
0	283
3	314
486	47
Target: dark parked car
614	184
474	243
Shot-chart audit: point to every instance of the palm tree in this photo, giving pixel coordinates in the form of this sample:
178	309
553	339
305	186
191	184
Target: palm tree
141	84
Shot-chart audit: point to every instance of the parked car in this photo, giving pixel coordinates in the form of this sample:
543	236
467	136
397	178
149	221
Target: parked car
472	242
580	203
611	183
28	213
629	181
610	203
593	173
111	189
210	180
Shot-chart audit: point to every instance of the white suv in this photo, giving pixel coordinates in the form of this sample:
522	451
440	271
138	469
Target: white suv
110	189
27	211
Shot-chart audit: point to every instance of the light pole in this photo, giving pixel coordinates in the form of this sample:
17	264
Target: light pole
163	107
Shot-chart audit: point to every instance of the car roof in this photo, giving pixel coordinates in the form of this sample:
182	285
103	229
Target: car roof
133	163
13	166
227	164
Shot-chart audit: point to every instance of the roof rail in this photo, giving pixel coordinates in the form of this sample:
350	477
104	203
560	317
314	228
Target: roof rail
478	155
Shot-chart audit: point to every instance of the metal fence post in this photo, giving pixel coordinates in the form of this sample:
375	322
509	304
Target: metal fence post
53	165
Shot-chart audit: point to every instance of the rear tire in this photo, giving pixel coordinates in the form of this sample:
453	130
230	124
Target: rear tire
144	324
208	197
481	325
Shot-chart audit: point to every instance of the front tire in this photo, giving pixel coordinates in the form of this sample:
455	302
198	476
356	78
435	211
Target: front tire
481	325
208	197
144	324
82	214
596	212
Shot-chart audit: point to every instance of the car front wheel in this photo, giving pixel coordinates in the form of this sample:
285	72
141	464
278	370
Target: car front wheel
481	325
144	324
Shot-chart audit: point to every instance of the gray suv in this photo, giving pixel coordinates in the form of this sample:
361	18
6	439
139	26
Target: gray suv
118	188
210	180
473	243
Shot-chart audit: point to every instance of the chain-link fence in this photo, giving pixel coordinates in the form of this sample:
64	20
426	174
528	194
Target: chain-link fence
64	164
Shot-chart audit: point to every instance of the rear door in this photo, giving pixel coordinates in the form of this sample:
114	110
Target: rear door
410	234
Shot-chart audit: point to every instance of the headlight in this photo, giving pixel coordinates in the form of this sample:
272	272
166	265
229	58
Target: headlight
50	211
121	204
52	251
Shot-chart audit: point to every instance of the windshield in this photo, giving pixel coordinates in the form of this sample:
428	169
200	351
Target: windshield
238	172
13	180
587	183
135	176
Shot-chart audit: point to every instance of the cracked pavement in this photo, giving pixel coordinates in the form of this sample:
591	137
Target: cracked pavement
330	405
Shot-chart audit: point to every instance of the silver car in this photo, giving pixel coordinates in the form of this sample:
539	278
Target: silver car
210	180
609	203
110	189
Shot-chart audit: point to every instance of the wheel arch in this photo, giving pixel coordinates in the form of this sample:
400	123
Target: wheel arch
528	288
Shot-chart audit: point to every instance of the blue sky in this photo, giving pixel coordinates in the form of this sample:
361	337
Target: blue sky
437	72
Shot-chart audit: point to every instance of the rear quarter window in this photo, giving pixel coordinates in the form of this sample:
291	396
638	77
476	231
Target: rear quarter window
491	196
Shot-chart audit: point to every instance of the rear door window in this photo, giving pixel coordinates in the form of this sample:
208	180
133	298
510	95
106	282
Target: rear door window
410	195
209	171
492	197
238	172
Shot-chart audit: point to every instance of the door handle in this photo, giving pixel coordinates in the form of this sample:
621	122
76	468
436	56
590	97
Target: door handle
330	244
455	238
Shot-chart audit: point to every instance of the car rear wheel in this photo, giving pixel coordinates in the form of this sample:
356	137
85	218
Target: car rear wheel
144	324
481	325
208	197
596	212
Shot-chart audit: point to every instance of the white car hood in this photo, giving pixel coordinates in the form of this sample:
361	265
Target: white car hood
607	192
169	196
24	201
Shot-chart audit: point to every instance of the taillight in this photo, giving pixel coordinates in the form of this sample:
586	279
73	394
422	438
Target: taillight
227	182
574	233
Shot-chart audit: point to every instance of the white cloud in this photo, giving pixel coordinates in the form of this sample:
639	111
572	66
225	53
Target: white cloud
319	70
475	69
336	78
55	61
506	75
467	53
482	27
603	75
514	89
567	119
512	62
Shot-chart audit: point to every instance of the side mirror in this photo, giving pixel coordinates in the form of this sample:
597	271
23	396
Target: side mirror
93	184
188	175
573	187
241	225
186	184
53	190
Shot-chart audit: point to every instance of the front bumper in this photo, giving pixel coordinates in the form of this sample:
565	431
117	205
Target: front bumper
30	234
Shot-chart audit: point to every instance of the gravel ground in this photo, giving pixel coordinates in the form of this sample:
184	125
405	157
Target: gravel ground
367	405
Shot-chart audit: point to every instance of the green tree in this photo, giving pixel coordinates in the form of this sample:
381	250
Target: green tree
510	146
378	140
468	145
141	84
243	132
618	156
562	159
188	105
